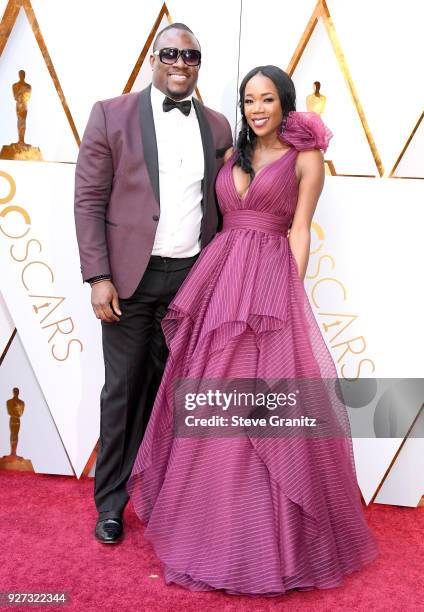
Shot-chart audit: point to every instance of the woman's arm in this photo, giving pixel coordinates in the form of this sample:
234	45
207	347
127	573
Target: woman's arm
228	154
310	172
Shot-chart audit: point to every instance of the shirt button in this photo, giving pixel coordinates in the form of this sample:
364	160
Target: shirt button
155	217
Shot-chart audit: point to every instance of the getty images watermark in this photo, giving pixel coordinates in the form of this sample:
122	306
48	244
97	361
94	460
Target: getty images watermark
299	407
257	407
226	401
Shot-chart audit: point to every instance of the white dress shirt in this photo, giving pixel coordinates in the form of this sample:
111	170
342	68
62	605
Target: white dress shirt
181	171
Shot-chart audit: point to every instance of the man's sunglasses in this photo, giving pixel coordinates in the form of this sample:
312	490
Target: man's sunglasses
170	55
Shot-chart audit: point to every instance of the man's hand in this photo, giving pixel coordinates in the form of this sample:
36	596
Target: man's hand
105	302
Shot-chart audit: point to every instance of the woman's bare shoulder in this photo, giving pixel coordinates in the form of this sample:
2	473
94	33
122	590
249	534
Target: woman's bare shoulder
228	153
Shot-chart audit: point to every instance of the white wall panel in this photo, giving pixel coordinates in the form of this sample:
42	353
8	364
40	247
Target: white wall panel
271	31
404	484
94	46
47	125
363	265
349	149
51	308
6	325
383	44
412	162
39	440
376	258
3	4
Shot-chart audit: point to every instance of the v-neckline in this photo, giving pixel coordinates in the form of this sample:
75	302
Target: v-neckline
242	198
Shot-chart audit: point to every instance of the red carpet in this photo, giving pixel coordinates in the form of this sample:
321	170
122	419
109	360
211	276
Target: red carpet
47	544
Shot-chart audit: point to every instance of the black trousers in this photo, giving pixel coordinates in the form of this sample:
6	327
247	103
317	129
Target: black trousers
135	354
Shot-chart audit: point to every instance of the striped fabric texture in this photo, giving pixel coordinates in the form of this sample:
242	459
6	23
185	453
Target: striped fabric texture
250	514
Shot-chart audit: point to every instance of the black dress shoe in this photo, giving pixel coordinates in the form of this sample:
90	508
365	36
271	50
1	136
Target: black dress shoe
109	531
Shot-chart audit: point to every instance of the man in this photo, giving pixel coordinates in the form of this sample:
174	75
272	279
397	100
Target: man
144	207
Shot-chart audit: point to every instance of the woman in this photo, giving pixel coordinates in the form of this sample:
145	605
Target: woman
254	514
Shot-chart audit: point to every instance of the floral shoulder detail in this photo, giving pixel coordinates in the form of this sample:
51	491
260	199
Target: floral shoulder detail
305	130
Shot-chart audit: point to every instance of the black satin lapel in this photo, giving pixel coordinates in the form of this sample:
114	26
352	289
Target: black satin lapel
148	138
208	148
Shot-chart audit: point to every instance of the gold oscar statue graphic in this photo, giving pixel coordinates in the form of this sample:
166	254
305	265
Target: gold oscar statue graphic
21	150
316	101
15	408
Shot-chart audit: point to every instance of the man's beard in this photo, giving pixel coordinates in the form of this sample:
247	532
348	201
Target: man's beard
179	95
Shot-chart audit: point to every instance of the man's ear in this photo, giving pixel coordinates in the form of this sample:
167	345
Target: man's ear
152	60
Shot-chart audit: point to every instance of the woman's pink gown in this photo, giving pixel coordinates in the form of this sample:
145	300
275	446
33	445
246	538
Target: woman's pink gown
252	515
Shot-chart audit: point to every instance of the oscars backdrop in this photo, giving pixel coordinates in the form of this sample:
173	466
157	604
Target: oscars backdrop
364	277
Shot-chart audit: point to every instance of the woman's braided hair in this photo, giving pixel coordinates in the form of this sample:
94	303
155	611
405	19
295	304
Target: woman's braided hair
245	144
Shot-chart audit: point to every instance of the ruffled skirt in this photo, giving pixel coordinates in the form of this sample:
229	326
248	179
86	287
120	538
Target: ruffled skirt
248	514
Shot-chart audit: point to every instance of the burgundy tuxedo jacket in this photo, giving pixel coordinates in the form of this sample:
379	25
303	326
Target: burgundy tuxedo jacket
117	200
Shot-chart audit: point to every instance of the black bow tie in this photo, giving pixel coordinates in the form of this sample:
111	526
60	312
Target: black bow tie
184	106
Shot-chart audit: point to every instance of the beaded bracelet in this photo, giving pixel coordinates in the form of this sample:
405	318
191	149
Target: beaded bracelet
97	279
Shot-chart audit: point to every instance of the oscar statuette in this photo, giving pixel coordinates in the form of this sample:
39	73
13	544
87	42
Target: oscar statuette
315	102
15	409
21	150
